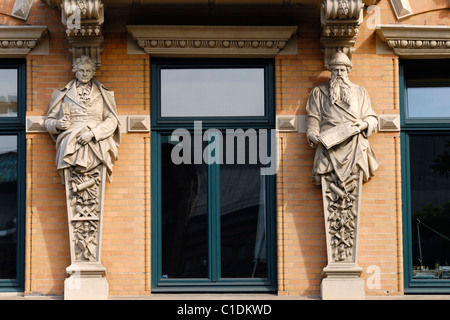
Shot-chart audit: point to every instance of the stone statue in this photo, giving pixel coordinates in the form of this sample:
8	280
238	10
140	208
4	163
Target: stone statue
83	121
339	121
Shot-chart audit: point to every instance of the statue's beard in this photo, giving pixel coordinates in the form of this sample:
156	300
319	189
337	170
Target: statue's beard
340	89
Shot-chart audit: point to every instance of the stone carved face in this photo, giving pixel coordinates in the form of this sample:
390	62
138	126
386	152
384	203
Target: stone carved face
339	71
84	73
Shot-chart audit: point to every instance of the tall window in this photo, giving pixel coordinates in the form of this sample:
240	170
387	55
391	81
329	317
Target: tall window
425	138
213	189
12	173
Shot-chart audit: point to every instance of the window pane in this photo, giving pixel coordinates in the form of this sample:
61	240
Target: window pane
212	92
8	93
429	102
184	213
242	217
8	208
430	205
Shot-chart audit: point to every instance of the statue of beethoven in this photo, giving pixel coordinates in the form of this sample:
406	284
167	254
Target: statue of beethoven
82	119
339	121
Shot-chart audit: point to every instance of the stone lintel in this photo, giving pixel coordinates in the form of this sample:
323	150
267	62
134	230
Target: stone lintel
416	41
18	41
212	41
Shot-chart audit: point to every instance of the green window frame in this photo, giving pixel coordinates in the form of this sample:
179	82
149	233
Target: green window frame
421	73
162	127
15	126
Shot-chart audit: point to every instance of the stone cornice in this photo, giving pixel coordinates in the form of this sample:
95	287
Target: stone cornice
413	41
211	41
18	41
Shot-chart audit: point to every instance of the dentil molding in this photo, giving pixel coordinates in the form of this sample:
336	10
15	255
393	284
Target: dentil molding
212	41
415	41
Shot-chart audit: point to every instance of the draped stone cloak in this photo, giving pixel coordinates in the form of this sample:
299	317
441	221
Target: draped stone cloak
99	115
355	152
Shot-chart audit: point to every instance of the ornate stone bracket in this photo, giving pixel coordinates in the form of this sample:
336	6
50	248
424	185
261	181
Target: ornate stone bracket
83	20
211	41
18	41
340	21
413	41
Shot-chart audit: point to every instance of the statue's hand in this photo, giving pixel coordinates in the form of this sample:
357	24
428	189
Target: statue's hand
85	138
313	140
63	123
362	125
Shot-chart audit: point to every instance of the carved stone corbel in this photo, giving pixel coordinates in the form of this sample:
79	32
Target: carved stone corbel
83	20
340	21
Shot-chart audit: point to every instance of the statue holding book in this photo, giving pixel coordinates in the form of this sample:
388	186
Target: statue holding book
339	121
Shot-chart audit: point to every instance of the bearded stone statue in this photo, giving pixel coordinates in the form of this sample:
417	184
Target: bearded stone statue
340	103
339	121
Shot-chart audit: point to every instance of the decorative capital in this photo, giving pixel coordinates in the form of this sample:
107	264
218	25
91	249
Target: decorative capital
340	21
84	20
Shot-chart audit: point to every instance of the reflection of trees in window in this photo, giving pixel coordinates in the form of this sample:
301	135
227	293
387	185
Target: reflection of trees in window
442	161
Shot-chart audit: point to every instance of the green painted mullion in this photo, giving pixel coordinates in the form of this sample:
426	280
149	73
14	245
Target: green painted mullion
214	219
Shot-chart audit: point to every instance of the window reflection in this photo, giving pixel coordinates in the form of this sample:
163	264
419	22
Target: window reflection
428	102
212	92
184	212
430	205
8	209
8	93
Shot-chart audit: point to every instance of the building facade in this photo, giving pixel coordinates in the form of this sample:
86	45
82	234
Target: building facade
204	216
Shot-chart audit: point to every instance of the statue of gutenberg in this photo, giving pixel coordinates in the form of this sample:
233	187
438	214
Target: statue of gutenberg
339	121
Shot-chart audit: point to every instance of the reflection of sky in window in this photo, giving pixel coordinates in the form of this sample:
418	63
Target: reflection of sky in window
431	102
8	92
212	92
8	144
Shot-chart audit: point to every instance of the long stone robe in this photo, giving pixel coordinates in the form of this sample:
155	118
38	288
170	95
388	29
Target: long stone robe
355	152
99	115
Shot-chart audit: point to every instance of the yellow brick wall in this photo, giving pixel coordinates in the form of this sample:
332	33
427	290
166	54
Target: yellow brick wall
300	226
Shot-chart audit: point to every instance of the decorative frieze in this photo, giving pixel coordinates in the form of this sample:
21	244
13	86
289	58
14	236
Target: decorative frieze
211	41
20	40
413	41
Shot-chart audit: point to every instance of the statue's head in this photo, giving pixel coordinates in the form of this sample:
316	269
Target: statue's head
84	69
340	65
340	85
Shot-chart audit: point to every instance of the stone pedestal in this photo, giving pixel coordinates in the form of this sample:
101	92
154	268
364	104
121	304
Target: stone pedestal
342	202
85	195
342	282
86	282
